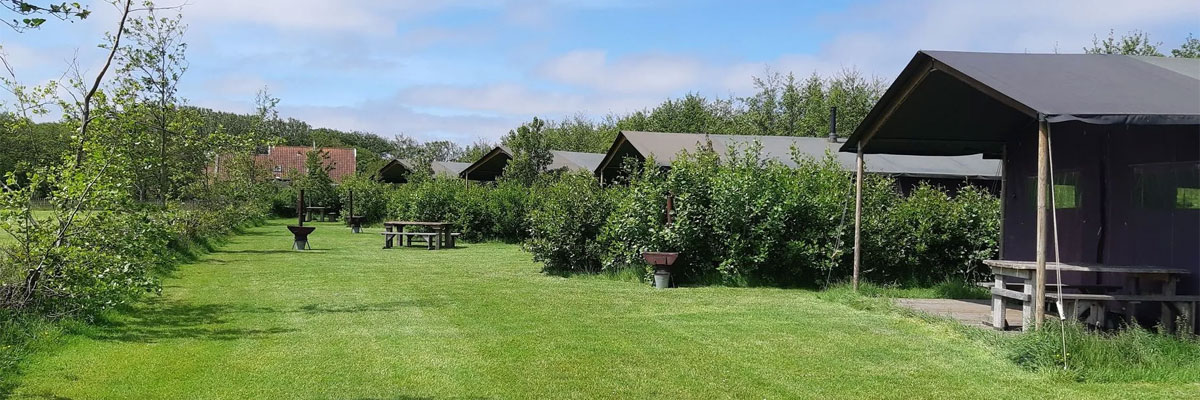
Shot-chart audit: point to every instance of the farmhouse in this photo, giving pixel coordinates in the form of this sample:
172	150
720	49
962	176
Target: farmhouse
491	165
1115	140
949	172
282	162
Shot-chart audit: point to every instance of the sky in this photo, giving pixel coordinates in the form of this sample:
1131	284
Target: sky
470	70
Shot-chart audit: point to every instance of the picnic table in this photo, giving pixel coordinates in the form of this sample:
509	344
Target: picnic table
309	213
1089	299
439	238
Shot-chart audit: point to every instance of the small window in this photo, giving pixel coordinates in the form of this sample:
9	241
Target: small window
278	169
1066	190
1167	186
1187	198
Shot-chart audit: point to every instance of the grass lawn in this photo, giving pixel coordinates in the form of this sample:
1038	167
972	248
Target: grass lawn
350	320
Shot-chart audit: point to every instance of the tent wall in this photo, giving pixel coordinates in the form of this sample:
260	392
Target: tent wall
1123	196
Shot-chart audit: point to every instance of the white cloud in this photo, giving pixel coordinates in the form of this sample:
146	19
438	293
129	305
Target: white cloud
642	73
388	119
520	100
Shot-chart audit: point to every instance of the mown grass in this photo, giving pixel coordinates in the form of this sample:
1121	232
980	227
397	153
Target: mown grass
350	320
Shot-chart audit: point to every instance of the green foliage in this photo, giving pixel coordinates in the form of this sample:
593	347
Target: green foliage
370	197
1135	43
318	187
566	219
1190	48
480	212
530	152
32	13
740	220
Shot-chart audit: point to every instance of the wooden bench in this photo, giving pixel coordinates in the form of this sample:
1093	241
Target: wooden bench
407	237
1173	306
430	239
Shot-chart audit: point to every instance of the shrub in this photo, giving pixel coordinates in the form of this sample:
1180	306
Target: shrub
742	220
370	197
565	220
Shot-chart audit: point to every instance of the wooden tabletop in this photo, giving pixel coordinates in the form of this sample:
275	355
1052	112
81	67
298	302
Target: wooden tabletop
1086	267
316	207
416	223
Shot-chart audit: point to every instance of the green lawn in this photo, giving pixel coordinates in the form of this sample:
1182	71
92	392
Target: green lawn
350	320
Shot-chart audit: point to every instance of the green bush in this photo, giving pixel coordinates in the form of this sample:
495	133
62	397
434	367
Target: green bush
565	220
742	220
283	200
370	197
496	211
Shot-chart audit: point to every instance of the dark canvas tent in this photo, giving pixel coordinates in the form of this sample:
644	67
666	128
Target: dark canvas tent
491	165
395	171
1123	134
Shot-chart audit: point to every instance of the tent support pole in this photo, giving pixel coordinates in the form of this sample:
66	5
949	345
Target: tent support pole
858	183
1039	294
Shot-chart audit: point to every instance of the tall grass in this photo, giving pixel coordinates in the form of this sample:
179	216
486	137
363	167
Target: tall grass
1132	354
1129	355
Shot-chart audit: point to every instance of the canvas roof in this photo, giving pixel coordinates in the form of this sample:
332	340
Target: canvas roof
492	164
665	147
953	103
575	161
450	168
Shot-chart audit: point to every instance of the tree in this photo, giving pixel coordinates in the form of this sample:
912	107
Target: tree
530	152
475	151
316	183
1189	49
854	96
1135	43
151	67
763	109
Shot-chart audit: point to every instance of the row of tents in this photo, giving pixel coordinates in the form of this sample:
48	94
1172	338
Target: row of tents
665	147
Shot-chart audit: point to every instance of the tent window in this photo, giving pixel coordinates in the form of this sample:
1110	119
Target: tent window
1167	186
1066	190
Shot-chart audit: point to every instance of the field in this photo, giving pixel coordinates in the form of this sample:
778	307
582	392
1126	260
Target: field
351	320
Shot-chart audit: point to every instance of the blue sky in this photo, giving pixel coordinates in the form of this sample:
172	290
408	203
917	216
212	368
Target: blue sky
464	70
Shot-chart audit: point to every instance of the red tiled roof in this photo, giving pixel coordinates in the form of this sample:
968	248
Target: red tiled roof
281	160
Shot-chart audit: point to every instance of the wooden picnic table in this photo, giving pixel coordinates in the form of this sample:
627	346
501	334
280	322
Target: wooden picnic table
1021	273
309	211
441	230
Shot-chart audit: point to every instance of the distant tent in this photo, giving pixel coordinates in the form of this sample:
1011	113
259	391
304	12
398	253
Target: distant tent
908	170
395	171
398	171
489	167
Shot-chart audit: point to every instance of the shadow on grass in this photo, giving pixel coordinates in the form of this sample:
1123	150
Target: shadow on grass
272	251
376	307
162	320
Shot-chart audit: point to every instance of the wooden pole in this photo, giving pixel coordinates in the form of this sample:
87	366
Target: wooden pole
858	182
1039	293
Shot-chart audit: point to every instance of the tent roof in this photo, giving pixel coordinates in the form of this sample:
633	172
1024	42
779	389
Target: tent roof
575	161
665	147
450	168
954	103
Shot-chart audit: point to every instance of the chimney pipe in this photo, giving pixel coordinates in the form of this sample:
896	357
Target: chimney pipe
833	124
